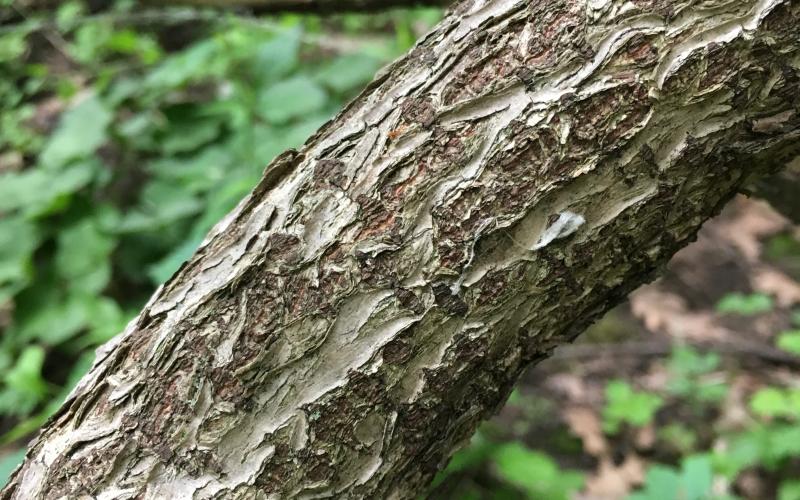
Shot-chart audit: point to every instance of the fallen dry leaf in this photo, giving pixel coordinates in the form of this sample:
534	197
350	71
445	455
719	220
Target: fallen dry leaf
754	221
571	386
645	437
615	481
585	423
773	282
665	312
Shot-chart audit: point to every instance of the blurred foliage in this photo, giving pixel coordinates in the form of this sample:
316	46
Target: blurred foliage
626	406
769	442
691	377
744	304
789	341
693	481
124	136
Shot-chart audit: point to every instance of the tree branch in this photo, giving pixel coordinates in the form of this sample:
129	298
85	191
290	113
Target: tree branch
378	294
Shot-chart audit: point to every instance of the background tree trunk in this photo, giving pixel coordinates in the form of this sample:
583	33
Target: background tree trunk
377	295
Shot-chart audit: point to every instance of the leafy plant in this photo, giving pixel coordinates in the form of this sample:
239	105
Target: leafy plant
765	445
679	436
774	402
535	473
689	375
692	482
789	490
23	383
745	305
624	405
8	463
790	341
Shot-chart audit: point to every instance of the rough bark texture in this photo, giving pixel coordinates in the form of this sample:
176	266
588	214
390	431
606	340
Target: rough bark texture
311	6
377	295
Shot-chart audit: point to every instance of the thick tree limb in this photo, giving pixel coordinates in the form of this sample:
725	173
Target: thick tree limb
377	295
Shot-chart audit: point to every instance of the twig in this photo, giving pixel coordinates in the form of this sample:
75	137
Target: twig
733	348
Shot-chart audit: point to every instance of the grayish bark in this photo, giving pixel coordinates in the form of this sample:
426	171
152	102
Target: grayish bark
377	295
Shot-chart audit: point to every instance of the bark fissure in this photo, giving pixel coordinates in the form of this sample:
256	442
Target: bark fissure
351	322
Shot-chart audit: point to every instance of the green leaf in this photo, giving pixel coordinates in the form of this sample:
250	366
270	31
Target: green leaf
678	436
687	361
782	246
277	57
80	132
535	472
789	490
693	482
90	41
290	99
24	386
790	341
769	402
197	173
743	450
8	464
473	455
299	133
18	239
349	72
774	402
79	369
56	321
83	257
163	203
624	405
67	14
13	45
34	422
782	443
105	319
697	477
745	305
688	369
662	480
198	61
163	270
17	134
26	375
130	42
36	192
188	137
220	202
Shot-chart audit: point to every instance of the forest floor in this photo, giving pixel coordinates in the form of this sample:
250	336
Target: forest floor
675	390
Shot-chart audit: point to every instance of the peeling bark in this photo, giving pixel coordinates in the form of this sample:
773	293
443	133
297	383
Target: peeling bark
377	295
